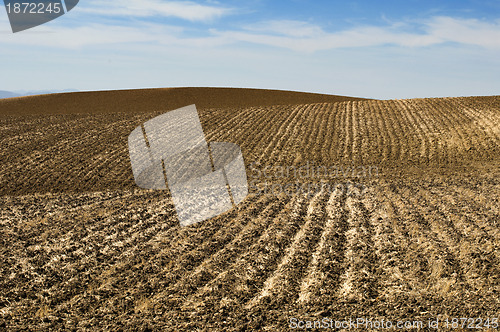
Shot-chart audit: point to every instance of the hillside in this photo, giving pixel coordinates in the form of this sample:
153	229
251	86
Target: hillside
150	100
82	248
88	151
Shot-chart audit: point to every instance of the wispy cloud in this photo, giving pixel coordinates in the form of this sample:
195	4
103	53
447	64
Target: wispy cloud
291	28
187	10
466	31
298	36
305	37
101	35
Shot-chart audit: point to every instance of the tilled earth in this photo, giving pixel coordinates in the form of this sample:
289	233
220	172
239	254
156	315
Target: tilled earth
83	249
416	249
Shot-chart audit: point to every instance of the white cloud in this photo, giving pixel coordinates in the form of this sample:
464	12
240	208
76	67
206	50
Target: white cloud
187	10
286	28
71	38
359	37
466	31
294	35
304	37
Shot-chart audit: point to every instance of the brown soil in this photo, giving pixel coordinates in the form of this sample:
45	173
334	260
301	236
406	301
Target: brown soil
150	100
82	248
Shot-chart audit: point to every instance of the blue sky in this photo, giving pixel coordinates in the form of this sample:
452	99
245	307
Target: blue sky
389	49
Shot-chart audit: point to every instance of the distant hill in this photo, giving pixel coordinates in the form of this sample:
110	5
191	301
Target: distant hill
8	94
144	100
11	94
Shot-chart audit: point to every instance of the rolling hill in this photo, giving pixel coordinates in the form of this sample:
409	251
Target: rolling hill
405	228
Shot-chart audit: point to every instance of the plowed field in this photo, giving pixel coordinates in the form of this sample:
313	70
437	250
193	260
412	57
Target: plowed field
82	248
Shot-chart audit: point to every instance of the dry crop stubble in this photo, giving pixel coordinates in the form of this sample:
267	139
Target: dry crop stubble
329	253
281	286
